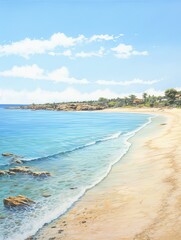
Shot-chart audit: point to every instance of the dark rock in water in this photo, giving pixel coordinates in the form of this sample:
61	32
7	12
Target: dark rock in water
21	170
46	195
17	161
14	158
3	172
6	172
41	174
7	154
2	217
24	170
17	201
11	173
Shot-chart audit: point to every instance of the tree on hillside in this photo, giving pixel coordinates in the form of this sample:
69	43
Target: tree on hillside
132	98
151	100
103	101
145	95
170	94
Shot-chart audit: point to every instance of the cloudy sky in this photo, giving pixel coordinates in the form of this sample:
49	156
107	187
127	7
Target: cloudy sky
64	50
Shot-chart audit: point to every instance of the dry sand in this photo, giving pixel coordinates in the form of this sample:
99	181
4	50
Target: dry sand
141	197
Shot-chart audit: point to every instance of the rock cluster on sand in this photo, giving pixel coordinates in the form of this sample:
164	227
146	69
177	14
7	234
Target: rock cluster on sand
17	201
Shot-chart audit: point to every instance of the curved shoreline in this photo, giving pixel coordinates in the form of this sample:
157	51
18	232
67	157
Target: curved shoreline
88	220
128	136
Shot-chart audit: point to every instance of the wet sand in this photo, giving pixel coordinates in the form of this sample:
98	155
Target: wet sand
140	199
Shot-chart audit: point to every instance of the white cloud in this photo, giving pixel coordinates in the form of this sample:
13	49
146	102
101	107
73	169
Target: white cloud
37	73
127	83
101	37
104	37
70	94
125	51
82	54
152	91
98	53
62	75
42	96
28	46
28	71
66	53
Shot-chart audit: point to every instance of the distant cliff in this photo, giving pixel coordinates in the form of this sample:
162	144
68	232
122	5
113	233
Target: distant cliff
80	106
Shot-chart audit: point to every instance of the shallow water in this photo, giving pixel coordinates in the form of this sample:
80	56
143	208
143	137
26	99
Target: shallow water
77	148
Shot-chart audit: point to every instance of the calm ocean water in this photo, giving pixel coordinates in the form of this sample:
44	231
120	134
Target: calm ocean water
77	148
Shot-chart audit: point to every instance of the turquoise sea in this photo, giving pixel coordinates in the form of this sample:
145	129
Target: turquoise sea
77	148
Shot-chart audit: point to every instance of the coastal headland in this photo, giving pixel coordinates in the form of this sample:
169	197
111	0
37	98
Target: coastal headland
140	199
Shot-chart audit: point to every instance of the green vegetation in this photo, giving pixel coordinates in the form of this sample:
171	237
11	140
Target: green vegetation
171	98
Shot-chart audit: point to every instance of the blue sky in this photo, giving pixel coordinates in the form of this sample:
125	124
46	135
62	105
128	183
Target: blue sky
80	50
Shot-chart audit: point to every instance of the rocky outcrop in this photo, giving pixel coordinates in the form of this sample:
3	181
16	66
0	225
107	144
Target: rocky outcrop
24	170
20	170
46	195
71	106
6	172
13	157
86	107
18	161
7	154
41	174
17	201
3	172
11	173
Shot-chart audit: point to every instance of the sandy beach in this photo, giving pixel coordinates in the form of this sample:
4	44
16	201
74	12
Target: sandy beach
140	199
